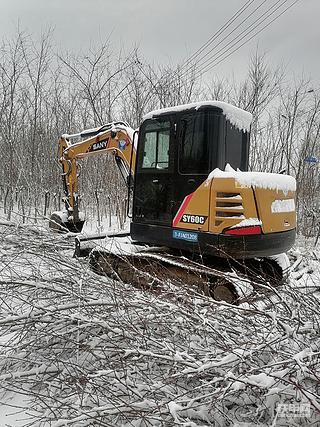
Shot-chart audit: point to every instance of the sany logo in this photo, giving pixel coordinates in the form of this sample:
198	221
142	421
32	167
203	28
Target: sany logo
99	145
123	143
193	219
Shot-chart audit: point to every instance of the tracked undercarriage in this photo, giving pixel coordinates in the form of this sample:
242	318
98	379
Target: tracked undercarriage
161	269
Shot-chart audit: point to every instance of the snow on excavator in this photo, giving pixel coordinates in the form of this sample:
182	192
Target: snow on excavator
190	196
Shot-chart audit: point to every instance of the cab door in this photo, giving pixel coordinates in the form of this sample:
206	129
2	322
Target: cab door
153	192
197	152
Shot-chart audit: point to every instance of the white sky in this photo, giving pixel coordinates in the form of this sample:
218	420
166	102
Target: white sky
167	31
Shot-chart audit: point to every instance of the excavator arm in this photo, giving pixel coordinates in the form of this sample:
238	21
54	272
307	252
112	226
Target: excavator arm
115	138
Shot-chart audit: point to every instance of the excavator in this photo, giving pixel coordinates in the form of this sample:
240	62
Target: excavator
197	213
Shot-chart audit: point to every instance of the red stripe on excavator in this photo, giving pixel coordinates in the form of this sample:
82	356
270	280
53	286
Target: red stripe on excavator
244	231
181	210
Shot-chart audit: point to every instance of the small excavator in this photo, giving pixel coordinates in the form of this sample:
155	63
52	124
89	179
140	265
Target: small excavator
197	213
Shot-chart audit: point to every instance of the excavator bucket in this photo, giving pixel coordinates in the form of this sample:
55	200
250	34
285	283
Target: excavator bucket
60	221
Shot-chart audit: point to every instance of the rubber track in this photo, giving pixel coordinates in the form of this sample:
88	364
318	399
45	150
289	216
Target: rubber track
152	271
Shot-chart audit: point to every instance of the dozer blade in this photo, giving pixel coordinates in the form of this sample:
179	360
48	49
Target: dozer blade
58	223
85	244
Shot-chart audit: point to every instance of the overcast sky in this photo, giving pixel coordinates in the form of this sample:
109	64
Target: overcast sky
168	31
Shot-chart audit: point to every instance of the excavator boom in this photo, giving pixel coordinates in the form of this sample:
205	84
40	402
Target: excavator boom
114	138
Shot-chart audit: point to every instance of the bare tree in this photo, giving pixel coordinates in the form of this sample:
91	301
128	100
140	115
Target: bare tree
98	75
12	71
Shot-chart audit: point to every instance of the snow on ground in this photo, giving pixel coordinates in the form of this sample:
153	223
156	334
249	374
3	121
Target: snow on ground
78	349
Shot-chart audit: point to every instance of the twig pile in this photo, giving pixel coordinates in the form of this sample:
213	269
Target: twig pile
91	351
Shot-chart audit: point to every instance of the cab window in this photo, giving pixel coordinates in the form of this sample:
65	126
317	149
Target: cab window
237	146
196	135
156	145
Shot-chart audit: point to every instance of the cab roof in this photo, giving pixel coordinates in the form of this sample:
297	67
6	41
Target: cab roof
238	117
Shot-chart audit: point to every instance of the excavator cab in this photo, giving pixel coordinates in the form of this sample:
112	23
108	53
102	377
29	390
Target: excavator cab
176	152
176	205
